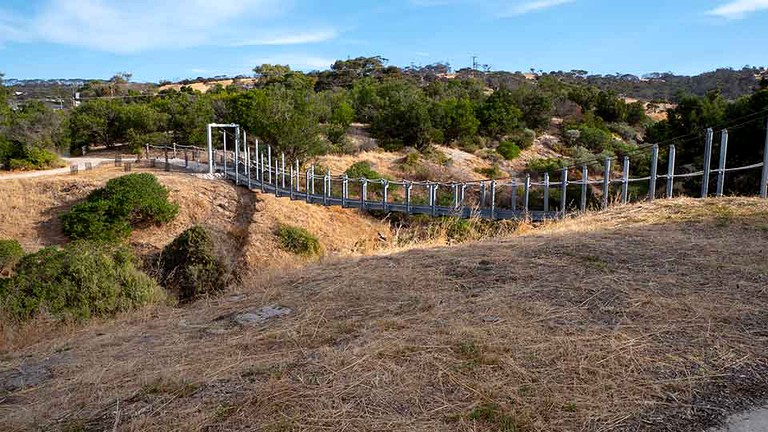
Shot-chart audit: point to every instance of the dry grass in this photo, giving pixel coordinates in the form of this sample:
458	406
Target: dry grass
648	317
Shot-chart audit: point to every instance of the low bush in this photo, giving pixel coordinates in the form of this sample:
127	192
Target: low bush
549	165
508	150
492	173
298	241
79	281
190	266
109	213
10	255
17	157
362	169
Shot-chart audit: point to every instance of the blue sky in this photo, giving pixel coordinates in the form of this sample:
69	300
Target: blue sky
176	39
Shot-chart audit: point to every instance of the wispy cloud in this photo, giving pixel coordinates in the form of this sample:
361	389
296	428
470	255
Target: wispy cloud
526	7
131	26
498	8
292	38
739	9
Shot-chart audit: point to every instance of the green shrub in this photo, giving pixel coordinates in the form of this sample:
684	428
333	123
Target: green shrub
190	265
10	255
492	173
109	213
82	280
508	150
15	156
362	169
298	240
549	165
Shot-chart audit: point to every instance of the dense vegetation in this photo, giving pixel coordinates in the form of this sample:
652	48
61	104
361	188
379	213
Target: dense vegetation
78	281
191	266
110	213
499	113
298	241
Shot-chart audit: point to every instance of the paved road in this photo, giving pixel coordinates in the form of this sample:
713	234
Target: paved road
750	421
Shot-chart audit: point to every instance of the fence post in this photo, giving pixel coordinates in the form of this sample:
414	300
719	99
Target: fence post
298	181
513	195
721	166
147	146
364	193
293	192
764	177
282	169
671	171
276	186
307	194
584	181
564	192
258	167
247	164
463	193
606	182
526	193
261	170
455	192
344	190
482	195
312	176
408	197
707	163
433	195
325	187
625	181
493	199
654	172
546	192
385	194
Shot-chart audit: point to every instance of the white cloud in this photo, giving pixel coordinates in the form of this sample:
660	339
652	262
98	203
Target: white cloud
526	7
296	61
738	9
129	26
498	8
292	38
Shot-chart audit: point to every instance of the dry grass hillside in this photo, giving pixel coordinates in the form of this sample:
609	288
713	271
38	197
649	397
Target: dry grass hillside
245	221
648	317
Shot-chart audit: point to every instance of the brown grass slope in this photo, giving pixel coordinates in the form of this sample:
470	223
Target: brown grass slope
647	317
245	221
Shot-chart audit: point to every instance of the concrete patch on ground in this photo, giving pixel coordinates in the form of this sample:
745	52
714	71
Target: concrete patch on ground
750	421
261	315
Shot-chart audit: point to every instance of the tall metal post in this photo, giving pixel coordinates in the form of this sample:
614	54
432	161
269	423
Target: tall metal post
546	192
210	149
625	181
344	191
237	156
493	199
276	185
263	183
455	192
363	193
584	184
385	194
707	163
408	197
247	167
312	177
721	166
293	191
654	172
325	189
306	188
606	182
462	194
671	171
282	169
764	177
526	192
433	198
269	164
259	168
482	195
564	192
